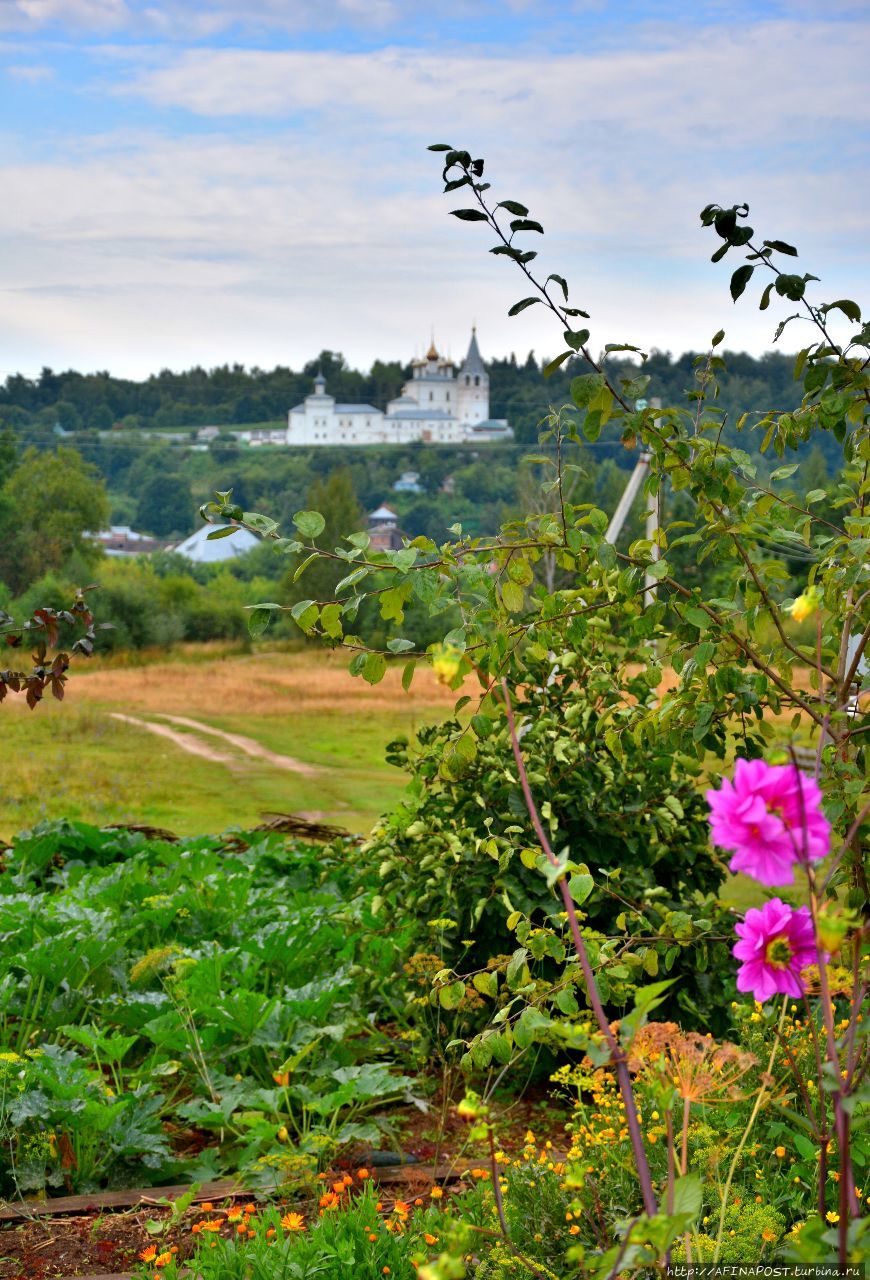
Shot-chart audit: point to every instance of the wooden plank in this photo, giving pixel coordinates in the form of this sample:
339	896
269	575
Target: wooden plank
116	1275
61	1206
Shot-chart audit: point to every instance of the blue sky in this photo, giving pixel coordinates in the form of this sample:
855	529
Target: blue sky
189	182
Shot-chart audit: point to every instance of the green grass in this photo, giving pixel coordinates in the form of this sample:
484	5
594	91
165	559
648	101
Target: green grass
77	762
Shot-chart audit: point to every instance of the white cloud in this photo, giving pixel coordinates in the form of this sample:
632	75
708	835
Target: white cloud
302	210
17	15
30	74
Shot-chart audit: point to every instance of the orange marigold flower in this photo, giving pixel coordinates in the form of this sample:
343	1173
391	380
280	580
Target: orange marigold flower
385	1271
362	1174
401	1209
270	1233
234	1215
328	1200
293	1222
282	1078
163	1260
147	1254
241	1228
574	1230
207	1206
436	1193
338	1187
373	1237
250	1208
430	1239
418	1201
214	1224
379	1206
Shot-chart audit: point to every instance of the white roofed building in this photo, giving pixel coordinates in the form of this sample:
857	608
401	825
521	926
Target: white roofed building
438	405
204	550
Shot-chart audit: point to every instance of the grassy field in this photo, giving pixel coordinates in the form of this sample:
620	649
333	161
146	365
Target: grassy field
78	760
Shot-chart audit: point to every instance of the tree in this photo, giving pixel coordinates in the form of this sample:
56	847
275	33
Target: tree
165	505
52	501
8	453
334	497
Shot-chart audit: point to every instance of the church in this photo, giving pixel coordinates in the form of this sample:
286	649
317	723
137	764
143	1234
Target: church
439	404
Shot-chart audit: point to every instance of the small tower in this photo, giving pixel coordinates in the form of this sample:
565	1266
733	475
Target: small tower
319	384
472	386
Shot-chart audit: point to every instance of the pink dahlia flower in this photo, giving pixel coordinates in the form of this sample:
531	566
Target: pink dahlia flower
771	817
776	943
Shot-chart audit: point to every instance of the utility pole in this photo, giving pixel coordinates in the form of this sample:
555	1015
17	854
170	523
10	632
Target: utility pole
623	507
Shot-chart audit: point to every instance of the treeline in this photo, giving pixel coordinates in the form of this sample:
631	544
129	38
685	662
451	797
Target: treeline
233	396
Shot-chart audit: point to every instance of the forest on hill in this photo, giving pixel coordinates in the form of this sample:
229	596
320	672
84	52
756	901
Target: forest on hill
234	396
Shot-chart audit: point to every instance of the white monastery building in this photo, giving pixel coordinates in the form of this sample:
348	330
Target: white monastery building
438	405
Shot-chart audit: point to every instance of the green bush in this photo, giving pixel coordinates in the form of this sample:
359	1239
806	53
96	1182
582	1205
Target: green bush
637	820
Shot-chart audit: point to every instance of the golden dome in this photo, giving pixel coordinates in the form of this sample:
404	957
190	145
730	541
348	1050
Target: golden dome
432	353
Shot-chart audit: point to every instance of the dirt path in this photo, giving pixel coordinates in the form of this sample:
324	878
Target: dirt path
187	742
250	746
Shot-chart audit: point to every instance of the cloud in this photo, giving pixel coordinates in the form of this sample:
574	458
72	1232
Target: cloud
276	202
24	15
30	74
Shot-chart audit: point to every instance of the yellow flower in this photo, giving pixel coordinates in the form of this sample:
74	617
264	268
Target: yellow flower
436	1193
430	1239
831	1216
147	1254
768	1234
779	1151
293	1222
163	1260
446	661
805	605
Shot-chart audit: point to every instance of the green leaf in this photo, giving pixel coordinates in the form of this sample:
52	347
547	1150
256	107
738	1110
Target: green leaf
440	146
526	224
607	555
374	668
688	1195
258	620
561	281
512	596
468	215
330	620
223	532
740	280
408	674
300	569
576	338
452	995
309	523
554	364
580	887
482	725
850	309
305	614
487	984
513	206
585	387
717	337
521	306
765	297
399	646
781	247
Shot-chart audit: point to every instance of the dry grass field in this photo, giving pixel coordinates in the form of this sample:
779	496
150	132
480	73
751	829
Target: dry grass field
262	732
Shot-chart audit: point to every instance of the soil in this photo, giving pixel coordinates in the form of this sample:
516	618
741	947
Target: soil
99	1241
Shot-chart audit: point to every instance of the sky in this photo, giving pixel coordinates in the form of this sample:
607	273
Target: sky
216	181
